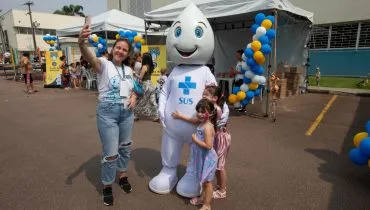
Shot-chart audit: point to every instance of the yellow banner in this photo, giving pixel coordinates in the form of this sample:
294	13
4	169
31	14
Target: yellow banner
53	70
159	57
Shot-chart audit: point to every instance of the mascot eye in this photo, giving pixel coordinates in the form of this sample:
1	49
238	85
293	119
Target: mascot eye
177	31
199	32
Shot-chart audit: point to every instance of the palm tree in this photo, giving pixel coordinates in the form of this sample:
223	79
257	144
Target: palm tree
71	10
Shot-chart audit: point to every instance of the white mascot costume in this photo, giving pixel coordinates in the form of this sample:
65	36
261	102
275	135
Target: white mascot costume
190	44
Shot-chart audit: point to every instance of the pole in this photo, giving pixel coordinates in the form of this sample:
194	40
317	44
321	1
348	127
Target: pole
29	4
146	33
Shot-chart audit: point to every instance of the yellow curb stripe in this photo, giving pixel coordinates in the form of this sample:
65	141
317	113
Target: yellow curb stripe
321	116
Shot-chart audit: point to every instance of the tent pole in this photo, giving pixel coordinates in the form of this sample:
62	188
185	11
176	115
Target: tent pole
106	35
267	104
146	34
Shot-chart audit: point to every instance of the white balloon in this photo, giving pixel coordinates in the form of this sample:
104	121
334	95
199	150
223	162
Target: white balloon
136	50
244	87
100	46
255	37
91	37
249	74
237	104
47	34
260	31
249	45
244	58
262	80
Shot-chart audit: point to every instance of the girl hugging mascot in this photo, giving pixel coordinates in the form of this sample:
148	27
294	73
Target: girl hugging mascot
190	44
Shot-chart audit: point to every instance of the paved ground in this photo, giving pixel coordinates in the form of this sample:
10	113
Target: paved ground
339	91
49	155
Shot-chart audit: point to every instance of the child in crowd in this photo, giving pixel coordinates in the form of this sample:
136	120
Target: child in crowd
160	82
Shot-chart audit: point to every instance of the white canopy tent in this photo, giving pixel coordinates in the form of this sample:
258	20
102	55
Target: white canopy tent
107	24
231	20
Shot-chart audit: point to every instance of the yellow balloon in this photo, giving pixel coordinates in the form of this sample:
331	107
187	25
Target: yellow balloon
241	95
256	45
253	86
261	60
95	38
233	98
359	137
258	55
142	41
266	24
137	39
52	42
117	37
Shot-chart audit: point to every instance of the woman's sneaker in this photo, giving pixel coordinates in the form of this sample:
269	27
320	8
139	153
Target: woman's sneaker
125	185
108	196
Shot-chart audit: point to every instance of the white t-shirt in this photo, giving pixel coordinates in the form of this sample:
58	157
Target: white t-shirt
109	82
238	67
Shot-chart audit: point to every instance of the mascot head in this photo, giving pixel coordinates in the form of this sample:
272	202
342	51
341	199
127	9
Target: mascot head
190	39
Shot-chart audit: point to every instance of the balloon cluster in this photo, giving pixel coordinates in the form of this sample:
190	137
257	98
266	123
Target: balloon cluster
254	58
99	43
134	38
361	154
51	40
6	54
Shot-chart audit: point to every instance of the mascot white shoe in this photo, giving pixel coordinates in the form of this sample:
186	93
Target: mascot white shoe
190	44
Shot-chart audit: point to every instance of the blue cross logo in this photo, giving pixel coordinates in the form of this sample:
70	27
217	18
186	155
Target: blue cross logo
187	85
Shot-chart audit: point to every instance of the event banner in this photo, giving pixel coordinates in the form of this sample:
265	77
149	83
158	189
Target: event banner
53	70
159	57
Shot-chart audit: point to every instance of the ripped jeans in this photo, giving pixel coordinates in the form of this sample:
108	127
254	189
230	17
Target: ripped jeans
115	129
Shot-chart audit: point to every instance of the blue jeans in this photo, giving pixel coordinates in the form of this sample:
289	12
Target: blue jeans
115	129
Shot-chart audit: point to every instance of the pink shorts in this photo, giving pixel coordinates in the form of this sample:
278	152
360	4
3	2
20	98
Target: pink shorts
221	146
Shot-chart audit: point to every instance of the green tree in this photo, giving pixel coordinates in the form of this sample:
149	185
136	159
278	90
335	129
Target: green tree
71	10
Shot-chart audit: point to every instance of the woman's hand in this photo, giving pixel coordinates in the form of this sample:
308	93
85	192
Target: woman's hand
84	34
132	102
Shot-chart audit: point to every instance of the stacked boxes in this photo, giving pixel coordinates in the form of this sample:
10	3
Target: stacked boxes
289	80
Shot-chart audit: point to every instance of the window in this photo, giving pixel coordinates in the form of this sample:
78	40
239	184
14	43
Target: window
38	31
364	35
22	30
319	37
344	36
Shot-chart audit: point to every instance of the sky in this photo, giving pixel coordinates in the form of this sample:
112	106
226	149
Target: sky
91	7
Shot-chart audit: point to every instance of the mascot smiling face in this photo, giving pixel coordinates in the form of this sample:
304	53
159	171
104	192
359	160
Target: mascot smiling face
190	39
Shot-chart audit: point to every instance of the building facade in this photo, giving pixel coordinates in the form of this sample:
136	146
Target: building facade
17	28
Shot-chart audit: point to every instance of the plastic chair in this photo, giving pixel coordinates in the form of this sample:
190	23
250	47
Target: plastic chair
90	80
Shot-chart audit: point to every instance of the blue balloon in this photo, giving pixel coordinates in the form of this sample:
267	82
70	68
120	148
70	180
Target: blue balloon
367	127
121	34
251	63
254	28
248	52
250	94
357	157
243	71
95	44
131	39
134	33
244	102
259	70
138	45
236	90
127	34
54	38
257	92
272	18
259	18
271	34
44	38
264	40
266	49
103	42
365	146
91	41
247	80
100	40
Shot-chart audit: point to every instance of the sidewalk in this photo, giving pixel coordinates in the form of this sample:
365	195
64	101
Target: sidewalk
339	91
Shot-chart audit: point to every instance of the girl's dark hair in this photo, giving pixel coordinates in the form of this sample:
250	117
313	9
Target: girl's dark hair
127	60
62	57
206	105
133	59
217	91
147	60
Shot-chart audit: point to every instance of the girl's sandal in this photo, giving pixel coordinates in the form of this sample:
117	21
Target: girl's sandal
218	194
196	201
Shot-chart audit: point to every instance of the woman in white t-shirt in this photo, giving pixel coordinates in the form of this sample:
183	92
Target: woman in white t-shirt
114	111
